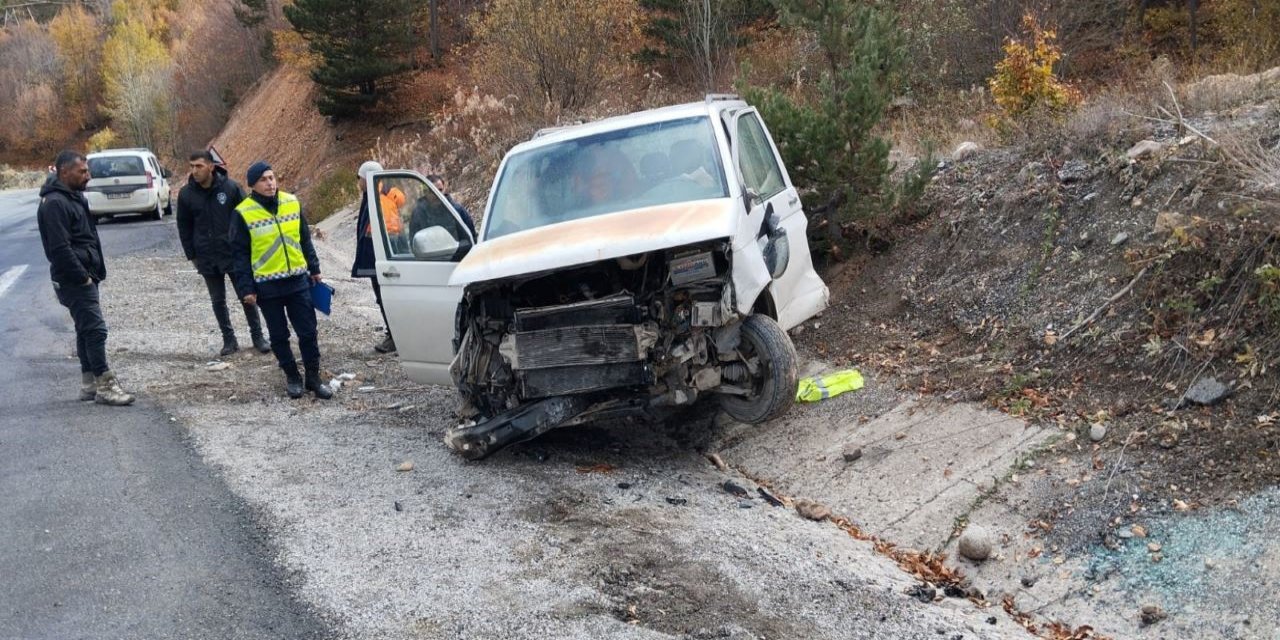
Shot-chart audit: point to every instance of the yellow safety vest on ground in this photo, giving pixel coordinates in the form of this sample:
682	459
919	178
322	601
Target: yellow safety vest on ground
275	240
829	386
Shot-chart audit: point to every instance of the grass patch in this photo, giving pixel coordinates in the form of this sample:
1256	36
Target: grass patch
332	192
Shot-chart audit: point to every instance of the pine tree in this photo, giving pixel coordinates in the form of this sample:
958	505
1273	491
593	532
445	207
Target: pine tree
827	136
359	43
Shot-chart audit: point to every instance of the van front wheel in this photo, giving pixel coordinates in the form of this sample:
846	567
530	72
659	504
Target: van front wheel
772	364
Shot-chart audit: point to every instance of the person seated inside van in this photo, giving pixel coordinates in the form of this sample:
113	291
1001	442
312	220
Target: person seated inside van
688	160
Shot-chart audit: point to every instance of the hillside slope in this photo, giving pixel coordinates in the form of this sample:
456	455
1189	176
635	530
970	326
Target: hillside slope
277	121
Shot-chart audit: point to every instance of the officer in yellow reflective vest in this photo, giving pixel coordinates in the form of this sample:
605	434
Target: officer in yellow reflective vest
275	265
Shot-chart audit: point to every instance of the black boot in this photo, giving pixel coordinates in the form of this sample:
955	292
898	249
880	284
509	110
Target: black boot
220	313
229	345
293	382
316	385
255	328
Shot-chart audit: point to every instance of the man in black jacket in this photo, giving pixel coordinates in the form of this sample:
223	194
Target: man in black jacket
76	266
206	206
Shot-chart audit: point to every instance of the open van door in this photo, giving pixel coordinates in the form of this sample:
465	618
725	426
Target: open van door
418	239
797	290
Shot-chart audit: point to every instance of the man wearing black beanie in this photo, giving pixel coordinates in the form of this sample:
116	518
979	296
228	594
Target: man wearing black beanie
275	266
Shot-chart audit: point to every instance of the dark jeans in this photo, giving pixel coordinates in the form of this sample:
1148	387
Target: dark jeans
91	327
302	315
217	285
377	295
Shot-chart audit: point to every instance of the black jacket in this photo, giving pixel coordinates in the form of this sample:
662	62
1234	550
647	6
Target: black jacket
242	257
70	236
204	221
366	262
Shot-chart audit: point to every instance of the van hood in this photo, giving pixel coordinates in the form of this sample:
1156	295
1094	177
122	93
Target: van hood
588	240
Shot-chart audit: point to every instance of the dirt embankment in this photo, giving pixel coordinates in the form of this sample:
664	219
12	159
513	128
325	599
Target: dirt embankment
277	121
1120	293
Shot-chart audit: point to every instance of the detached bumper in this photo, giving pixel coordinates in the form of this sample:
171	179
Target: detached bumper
520	424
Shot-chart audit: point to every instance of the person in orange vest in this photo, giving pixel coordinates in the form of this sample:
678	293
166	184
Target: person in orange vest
390	199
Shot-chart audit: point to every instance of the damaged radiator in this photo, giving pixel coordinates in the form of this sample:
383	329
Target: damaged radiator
579	347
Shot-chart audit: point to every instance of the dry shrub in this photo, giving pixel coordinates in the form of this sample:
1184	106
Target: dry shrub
1255	161
1228	91
471	134
1103	122
1025	79
940	122
781	57
554	55
291	50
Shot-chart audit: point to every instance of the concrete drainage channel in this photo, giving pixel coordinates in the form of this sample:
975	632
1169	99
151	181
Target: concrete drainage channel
909	477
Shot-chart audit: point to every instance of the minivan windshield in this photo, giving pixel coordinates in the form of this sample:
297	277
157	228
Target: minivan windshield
643	166
115	166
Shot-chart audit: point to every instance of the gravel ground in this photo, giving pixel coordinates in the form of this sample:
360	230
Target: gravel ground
618	530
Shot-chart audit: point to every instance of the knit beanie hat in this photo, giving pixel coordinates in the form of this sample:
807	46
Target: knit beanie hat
367	168
255	172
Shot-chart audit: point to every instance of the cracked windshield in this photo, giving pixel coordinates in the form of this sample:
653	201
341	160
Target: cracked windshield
645	166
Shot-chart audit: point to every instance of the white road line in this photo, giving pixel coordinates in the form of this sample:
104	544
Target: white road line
9	277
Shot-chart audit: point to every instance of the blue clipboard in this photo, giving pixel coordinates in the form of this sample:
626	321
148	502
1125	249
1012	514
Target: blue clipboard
322	297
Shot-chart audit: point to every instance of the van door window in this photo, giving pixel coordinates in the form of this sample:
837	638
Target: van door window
760	171
416	224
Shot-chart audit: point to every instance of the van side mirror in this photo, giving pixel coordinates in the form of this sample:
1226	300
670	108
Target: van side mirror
436	244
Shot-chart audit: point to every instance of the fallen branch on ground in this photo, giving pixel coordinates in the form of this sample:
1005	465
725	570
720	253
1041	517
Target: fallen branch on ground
1096	312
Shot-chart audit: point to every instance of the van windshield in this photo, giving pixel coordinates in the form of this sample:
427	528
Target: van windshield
115	166
643	166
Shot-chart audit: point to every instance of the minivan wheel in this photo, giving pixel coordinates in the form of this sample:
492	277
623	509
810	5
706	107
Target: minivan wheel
158	214
168	209
768	349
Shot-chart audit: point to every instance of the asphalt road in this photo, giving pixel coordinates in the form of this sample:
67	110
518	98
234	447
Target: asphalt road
110	525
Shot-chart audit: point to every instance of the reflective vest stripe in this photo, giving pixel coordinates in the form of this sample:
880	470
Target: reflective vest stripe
275	240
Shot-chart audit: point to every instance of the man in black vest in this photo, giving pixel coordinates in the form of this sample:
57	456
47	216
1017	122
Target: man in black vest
206	206
76	266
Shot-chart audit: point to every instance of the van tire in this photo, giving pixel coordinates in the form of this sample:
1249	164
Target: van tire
775	383
158	214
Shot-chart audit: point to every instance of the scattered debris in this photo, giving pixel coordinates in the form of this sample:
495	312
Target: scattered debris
965	150
407	465
1143	149
1207	392
922	592
717	462
851	453
1097	431
769	497
1152	614
677	502
975	543
218	366
599	467
811	510
734	489
1073	171
1167	221
1119	239
398	506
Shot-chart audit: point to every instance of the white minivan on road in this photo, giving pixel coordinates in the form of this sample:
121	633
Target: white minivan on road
623	266
127	181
